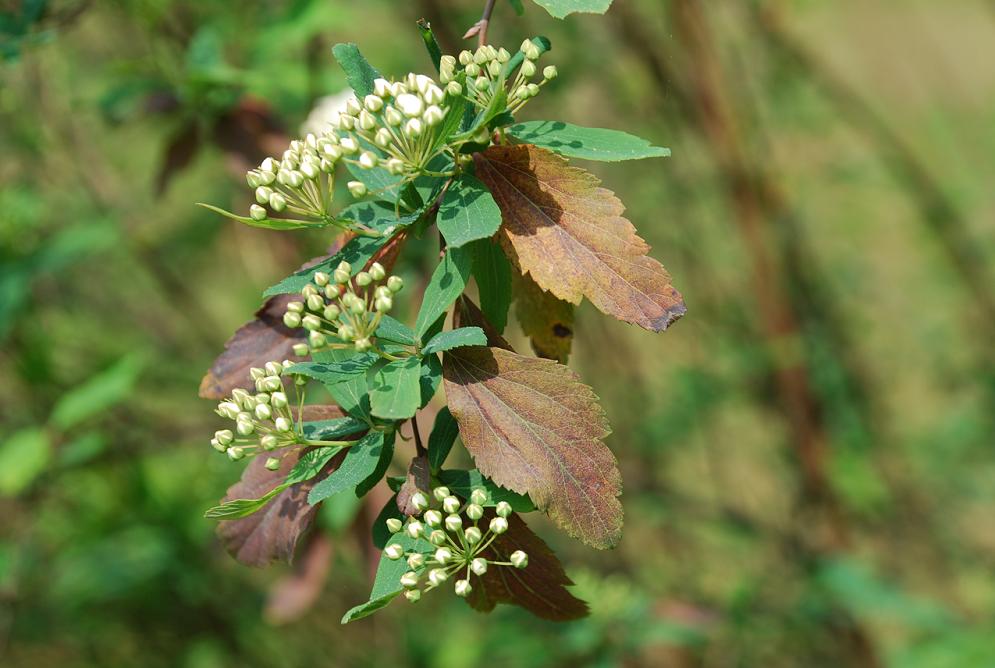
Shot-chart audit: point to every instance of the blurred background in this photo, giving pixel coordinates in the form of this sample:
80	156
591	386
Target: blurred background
808	455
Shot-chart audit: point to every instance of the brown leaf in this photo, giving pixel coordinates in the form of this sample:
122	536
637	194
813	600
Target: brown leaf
533	427
469	314
546	320
293	595
316	412
419	480
568	233
272	532
540	587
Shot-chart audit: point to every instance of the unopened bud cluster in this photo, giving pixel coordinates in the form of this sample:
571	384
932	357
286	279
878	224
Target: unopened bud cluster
456	543
340	311
398	126
300	184
264	421
484	68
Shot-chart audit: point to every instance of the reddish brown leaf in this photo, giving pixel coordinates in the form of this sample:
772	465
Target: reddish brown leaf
272	532
469	314
419	479
540	587
568	233
293	595
316	412
546	320
533	427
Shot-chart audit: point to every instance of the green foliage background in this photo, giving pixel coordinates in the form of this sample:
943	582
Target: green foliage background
875	149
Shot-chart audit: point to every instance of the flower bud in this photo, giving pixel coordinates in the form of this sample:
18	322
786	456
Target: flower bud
396	167
440	493
394	525
252	178
311	322
331	312
419	501
465	58
278	399
502	55
453	523
383	304
474	512
377	272
333	290
503	509
346	332
235	453
292	320
393	116
278	202
549	72
499	525
349	145
433	518
443	555
357	307
224	436
519	559
269	442
368	160
341	276
295	307
412	129
533	89
315	303
296	179
363	344
383	138
437	537
451	504
528	69
310	170
257	212
472	70
414	529
272	463
245	428
320	279
283	424
416	560
473	535
394	284
263	412
433	116
309	290
220	447
478	566
272	384
229	409
381	87
300	349
410	105
363	279
481	83
357	188
494	68
413	595
262	194
463	588
315	340
373	103
409	580
478	496
242	398
394	551
437	576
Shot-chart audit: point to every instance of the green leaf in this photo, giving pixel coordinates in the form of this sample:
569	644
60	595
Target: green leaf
279	224
431	44
395	392
441	440
431	376
492	272
376	215
358	72
23	457
562	8
237	508
386	455
448	282
98	394
350	394
331	430
517	6
311	463
455	338
359	464
462	483
574	141
468	212
387	584
330	373
395	331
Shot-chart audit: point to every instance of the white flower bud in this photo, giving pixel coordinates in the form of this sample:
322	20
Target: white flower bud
357	307
499	525
278	400
465	58
463	588
269	442
482	83
346	332
533	89
478	566
519	559
414	529
310	170
410	105
316	340
368	160
447	62
224	436
383	138
472	70
341	275
257	212
478	496
357	189
383	304
363	279
503	509
434	95
263	412
278	202
437	537
235	453
242	398
273	368
272	463
394	551
480	56
416	560
295	307
252	178
366	120
272	384
331	312
394	525
528	69
412	129
549	72
394	284
311	322
332	152
363	344
413	595
473	535
292	320
453	523
451	504
283	424
267	178
381	87
301	349
373	103
494	68
377	272
433	518
433	116
437	576
395	166
474	512
503	55
397	88
309	290
423	83
245	428
443	555
419	501
262	194
352	105
229	409
440	493
349	145
393	116
409	580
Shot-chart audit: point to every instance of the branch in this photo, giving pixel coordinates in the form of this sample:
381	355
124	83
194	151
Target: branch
480	27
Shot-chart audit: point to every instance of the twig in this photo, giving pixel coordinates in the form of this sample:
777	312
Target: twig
480	27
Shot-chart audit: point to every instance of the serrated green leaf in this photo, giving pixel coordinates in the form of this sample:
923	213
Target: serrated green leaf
236	508
386	455
455	338
359	73
395	392
441	440
359	464
395	331
351	393
311	463
462	483
380	534
375	215
431	376
24	455
387	584
330	373
431	44
562	8
468	212
448	282
574	141
492	272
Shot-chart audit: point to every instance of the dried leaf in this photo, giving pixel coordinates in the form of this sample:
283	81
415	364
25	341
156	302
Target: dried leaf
540	587
546	320
419	479
293	595
569	235
271	533
533	427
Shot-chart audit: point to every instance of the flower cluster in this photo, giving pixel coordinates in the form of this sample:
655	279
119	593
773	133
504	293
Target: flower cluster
398	126
264	421
458	543
332	308
485	70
